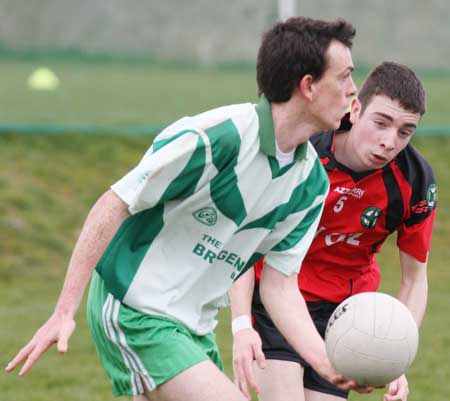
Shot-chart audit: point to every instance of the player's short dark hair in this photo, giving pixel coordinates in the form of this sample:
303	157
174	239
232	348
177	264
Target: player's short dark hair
397	82
294	48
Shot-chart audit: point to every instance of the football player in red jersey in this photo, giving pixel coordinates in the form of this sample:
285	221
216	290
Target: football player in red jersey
378	184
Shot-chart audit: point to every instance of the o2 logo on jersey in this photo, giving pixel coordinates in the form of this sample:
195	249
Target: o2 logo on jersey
431	196
370	217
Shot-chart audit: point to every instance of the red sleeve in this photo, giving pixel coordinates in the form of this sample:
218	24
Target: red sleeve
415	239
421	198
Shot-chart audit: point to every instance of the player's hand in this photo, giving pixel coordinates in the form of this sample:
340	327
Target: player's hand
57	329
327	371
398	390
247	347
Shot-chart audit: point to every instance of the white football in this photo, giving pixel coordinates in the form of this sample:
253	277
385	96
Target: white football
371	338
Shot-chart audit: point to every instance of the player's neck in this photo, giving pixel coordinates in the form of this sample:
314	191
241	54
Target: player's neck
344	151
291	126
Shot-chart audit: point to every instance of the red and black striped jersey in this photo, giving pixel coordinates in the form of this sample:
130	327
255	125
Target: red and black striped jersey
361	210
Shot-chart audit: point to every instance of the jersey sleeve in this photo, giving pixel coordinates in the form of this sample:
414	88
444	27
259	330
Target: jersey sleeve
172	168
292	236
415	231
288	254
416	239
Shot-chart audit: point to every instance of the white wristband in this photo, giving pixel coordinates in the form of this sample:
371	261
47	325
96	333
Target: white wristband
240	323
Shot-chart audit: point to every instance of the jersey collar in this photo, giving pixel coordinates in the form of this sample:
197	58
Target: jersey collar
267	134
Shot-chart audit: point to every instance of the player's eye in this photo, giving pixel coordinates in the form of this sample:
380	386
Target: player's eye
380	124
405	134
345	76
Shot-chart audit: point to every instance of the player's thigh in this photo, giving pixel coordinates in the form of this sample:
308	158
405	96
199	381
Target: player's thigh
201	382
280	381
311	395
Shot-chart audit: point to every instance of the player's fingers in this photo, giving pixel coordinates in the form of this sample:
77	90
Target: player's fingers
63	345
363	389
63	341
239	377
250	374
396	397
401	395
337	378
236	370
393	388
245	390
341	381
34	357
397	391
236	379
403	390
358	388
243	386
20	357
347	385
259	356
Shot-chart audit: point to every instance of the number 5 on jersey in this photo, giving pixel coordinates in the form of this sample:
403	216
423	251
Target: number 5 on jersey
340	204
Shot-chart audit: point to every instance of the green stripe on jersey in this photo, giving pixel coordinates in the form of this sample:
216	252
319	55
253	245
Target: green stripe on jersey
253	259
275	167
299	232
225	143
186	182
301	198
158	144
124	254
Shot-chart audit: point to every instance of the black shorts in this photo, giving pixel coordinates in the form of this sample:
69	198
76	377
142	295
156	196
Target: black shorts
276	347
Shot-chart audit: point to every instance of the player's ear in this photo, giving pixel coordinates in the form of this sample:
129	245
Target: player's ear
306	86
355	110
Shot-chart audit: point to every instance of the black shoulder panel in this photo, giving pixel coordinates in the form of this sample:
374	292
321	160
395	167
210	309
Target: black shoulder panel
322	143
420	177
394	212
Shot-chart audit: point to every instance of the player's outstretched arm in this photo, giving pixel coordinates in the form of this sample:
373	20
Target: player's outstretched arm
287	308
413	293
102	223
413	286
247	345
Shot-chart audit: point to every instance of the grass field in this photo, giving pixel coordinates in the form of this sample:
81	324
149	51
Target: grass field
129	94
49	182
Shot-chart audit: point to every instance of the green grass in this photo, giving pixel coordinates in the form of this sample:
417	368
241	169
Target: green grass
130	94
119	94
47	186
49	182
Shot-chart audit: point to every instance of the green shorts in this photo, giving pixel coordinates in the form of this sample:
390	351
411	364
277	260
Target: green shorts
138	349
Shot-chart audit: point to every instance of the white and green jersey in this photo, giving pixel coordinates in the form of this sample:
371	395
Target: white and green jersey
207	200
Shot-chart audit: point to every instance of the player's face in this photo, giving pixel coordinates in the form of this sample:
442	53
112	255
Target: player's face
335	89
381	131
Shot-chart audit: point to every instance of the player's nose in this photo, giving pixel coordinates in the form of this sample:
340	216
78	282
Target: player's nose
352	88
388	141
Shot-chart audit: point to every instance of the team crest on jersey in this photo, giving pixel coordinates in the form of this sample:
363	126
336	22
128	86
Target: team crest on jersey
206	215
431	196
370	217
